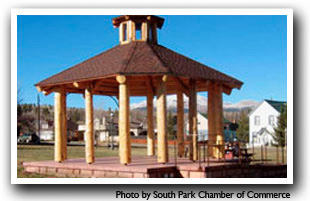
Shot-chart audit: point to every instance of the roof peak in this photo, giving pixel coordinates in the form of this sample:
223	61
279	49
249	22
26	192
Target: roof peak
274	101
138	28
139	18
277	105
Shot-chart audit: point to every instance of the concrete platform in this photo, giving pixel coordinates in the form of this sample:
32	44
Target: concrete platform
147	167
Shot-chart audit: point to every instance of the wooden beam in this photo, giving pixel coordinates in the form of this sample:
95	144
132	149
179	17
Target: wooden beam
144	31
219	128
58	115
211	119
39	88
64	125
227	90
89	144
215	120
180	123
47	92
76	84
193	123
182	86
150	120
161	118
152	84
124	124
107	84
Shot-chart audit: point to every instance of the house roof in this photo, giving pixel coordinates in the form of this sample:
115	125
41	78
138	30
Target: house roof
276	104
139	58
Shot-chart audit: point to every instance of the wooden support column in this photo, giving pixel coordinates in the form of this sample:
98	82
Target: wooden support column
89	144
192	118
64	124
215	120
123	124
161	118
219	125
211	119
150	121
180	123
58	115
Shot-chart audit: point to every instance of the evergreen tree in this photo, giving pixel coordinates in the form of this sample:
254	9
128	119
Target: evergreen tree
279	135
243	129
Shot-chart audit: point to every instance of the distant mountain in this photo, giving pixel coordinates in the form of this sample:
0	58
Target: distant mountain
202	103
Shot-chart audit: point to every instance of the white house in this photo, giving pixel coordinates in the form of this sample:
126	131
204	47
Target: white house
104	129
262	122
47	129
202	127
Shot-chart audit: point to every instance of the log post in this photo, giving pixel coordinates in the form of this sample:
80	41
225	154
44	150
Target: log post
219	124
89	144
123	124
211	119
192	113
58	125
64	124
180	123
215	120
161	118
150	121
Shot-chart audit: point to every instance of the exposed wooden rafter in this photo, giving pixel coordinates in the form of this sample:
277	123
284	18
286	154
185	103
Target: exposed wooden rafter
182	86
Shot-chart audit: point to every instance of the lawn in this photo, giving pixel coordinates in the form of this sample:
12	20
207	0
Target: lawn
46	152
271	154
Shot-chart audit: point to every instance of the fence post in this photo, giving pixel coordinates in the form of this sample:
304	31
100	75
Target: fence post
253	150
261	153
175	151
224	152
265	154
208	153
277	154
204	149
199	156
239	152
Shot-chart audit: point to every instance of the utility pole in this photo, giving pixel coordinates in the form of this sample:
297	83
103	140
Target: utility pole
39	122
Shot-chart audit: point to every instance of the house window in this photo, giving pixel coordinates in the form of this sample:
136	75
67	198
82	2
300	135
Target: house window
271	120
257	120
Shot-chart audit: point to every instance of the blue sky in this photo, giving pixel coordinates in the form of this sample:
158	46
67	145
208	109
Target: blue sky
252	49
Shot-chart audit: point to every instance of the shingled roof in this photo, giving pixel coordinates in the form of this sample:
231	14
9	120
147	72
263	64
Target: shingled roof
138	58
277	105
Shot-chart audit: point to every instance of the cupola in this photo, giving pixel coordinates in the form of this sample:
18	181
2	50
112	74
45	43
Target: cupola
138	28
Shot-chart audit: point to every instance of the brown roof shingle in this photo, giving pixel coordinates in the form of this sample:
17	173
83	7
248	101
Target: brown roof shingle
139	58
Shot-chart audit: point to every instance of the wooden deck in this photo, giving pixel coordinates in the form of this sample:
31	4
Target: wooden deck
146	167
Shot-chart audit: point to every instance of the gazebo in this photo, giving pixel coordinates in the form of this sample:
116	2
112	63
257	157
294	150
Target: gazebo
139	66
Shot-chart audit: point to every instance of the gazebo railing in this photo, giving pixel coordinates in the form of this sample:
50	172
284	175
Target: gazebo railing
234	149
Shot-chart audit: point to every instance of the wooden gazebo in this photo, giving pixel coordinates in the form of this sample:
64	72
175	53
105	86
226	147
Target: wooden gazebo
139	66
